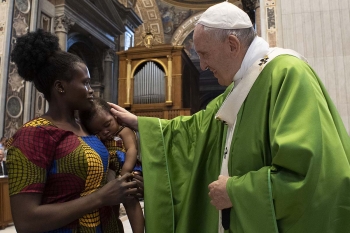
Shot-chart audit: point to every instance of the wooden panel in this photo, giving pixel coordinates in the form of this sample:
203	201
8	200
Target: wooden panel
181	93
164	114
5	210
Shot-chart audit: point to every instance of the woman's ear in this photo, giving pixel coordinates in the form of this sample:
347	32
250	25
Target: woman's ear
58	86
234	44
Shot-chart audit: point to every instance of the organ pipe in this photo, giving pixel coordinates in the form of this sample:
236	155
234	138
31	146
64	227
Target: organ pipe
149	84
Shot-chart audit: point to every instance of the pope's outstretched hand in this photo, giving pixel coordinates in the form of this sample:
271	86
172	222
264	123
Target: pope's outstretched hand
124	117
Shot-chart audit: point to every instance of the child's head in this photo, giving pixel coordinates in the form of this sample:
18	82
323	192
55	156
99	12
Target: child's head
99	120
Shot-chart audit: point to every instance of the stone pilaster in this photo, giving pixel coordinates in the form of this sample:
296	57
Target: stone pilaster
62	26
108	75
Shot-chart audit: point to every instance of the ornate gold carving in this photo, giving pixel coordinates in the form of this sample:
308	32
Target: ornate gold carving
148	38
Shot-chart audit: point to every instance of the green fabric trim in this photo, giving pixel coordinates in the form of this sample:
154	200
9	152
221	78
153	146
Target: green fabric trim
167	168
271	198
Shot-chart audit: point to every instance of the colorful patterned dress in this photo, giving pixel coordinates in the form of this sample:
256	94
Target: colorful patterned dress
62	167
117	153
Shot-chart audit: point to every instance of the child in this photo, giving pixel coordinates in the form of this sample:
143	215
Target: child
122	145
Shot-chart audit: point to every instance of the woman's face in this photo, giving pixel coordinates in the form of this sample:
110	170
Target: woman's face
104	125
78	92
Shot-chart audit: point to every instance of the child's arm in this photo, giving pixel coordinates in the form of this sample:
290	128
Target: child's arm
135	215
113	166
129	139
111	175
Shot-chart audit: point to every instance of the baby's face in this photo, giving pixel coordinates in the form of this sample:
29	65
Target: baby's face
104	125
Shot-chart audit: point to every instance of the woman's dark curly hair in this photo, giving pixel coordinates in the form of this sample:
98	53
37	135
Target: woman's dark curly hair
40	60
98	106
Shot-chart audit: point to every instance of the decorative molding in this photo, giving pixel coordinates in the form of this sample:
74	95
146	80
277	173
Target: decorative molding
147	3
23	6
63	23
271	29
86	25
14	106
20	25
11	127
185	29
15	81
109	56
148	11
40	104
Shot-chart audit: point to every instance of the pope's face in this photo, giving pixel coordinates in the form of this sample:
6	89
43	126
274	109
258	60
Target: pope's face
214	55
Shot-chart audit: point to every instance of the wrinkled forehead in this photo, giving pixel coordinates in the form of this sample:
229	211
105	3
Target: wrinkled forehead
198	30
201	38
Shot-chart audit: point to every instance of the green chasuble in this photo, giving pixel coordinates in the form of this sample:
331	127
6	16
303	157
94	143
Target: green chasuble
289	160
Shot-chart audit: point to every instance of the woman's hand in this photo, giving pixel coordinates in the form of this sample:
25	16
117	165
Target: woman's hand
119	190
139	180
124	117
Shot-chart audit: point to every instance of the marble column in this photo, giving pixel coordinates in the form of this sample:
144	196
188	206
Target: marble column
62	26
257	18
108	75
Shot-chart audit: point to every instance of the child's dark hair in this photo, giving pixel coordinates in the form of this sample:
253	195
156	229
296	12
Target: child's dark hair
40	60
98	105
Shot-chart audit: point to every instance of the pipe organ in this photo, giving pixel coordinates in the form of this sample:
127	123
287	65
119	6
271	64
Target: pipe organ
160	81
149	84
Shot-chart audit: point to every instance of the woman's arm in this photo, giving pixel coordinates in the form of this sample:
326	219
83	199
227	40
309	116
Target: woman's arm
129	139
30	215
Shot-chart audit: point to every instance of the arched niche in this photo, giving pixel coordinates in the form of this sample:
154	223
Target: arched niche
83	47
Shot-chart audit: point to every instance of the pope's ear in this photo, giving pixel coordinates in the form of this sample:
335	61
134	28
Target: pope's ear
234	43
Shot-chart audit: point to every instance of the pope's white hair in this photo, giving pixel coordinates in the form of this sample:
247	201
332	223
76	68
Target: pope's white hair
245	35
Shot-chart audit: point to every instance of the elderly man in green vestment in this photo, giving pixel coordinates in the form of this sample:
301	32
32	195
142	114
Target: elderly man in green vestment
269	155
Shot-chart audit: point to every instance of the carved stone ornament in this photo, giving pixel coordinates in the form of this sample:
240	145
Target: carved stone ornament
109	55
20	25
16	82
11	128
63	23
14	106
23	6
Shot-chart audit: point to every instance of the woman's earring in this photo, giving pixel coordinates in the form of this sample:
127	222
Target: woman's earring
62	91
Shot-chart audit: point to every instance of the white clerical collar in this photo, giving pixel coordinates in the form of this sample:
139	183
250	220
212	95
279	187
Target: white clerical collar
234	100
258	49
